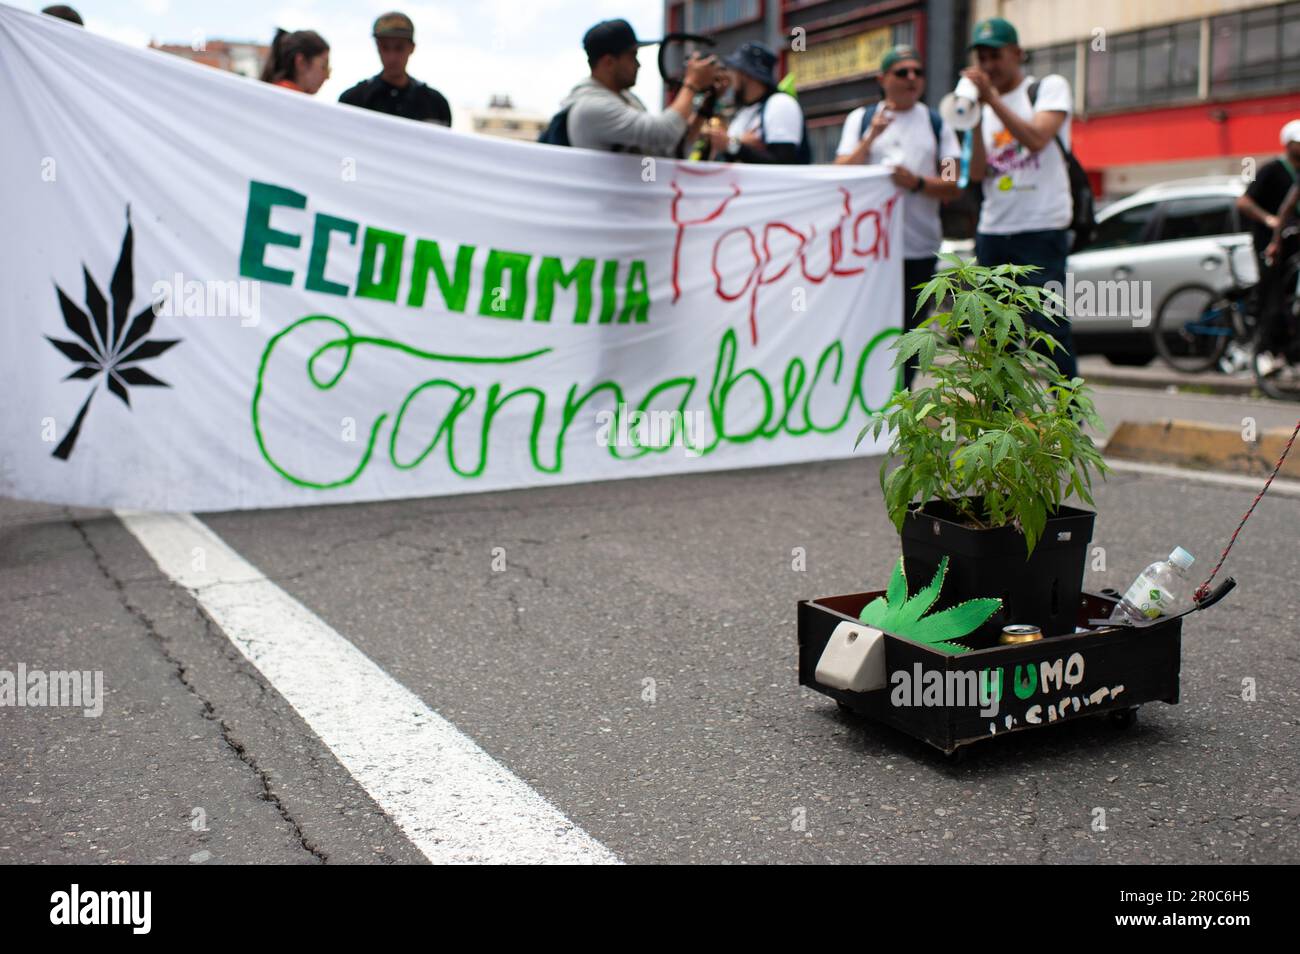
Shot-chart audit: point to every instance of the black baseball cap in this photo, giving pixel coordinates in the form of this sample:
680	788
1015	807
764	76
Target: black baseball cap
613	37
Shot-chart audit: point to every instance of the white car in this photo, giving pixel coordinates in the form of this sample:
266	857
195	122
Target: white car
1160	238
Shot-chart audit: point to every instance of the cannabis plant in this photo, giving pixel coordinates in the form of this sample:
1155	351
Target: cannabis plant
999	435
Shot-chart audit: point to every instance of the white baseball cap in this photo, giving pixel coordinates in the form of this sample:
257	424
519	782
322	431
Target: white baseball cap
1291	132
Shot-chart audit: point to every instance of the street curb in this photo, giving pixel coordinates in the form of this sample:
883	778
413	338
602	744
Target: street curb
1279	487
1156	381
1198	446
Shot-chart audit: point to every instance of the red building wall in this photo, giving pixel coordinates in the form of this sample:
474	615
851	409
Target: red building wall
1200	131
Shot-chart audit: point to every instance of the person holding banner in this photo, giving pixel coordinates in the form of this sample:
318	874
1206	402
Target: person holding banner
393	90
901	132
603	113
299	61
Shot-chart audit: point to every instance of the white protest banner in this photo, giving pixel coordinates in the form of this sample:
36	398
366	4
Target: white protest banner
221	294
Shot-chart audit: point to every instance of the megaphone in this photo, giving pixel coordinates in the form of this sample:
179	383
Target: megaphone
960	109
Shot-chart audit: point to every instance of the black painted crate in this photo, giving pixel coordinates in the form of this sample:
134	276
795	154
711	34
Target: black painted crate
1144	662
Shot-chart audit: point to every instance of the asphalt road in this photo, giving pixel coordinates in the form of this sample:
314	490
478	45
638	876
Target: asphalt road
686	581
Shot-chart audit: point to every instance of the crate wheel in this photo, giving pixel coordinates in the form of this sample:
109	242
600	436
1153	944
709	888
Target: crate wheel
845	707
1124	718
957	756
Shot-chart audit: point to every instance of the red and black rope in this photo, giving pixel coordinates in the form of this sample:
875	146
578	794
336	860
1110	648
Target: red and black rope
1204	588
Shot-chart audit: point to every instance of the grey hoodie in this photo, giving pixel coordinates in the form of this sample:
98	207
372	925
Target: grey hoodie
614	122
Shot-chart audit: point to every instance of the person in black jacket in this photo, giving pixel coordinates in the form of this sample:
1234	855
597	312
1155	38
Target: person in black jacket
1270	201
394	91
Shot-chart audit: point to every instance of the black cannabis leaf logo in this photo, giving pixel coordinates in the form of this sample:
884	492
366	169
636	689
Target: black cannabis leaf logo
111	346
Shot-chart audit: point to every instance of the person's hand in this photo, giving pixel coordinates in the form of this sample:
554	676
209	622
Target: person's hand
981	81
1271	222
718	138
879	122
700	72
904	178
753	139
1270	253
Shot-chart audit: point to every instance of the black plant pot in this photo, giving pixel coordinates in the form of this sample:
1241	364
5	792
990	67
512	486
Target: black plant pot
1043	590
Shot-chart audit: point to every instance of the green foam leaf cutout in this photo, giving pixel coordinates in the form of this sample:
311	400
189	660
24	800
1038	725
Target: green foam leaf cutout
904	616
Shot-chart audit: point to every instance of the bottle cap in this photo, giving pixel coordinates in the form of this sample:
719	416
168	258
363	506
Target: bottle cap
1181	558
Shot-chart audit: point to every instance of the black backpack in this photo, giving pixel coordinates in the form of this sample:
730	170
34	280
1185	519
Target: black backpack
936	124
556	132
1084	221
803	151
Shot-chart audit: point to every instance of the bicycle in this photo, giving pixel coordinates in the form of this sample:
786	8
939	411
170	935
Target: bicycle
1198	327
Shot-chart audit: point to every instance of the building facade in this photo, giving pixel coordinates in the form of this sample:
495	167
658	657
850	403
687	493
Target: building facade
1166	89
502	119
833	48
233	56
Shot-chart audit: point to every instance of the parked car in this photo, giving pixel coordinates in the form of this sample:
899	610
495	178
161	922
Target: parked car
1168	235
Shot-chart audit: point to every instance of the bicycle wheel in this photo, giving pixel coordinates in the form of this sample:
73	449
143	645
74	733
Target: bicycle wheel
1277	377
1192	328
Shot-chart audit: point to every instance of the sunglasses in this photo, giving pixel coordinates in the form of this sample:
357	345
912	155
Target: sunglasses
907	72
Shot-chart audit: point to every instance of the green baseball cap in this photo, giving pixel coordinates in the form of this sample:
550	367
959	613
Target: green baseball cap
897	55
396	25
994	32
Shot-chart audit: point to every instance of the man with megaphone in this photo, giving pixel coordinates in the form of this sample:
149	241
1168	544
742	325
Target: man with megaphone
901	132
1020	152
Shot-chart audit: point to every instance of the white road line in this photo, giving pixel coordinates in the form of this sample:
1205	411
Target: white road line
1282	487
453	800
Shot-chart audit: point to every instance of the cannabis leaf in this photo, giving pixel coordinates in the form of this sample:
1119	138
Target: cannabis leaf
111	345
902	616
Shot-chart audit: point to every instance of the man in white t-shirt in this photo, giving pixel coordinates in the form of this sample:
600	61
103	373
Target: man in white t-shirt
903	133
768	125
1027	207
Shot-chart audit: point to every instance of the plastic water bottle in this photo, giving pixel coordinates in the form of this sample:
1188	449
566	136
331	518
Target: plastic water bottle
1156	590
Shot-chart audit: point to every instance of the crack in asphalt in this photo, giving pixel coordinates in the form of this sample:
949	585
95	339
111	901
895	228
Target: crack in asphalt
182	675
541	577
517	607
517	611
1034	796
